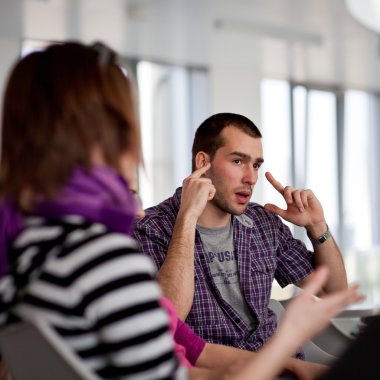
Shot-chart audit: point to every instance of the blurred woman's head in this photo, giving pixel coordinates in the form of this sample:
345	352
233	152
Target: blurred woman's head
66	106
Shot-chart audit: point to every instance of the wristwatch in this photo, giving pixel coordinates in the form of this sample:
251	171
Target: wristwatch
322	238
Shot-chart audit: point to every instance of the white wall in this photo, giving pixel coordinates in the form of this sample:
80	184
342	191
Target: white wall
10	37
239	41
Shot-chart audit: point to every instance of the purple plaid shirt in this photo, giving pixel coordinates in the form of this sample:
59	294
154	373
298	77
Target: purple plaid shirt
265	250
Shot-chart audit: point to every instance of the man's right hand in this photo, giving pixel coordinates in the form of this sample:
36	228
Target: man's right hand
176	275
197	190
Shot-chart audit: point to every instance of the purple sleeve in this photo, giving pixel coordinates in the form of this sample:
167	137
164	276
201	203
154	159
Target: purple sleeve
193	343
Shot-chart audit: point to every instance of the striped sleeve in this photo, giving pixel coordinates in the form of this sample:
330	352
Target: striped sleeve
124	305
100	295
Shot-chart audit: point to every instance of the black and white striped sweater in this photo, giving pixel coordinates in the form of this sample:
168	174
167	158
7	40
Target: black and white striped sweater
97	291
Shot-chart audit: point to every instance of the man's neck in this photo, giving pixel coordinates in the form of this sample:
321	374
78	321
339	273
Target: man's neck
213	217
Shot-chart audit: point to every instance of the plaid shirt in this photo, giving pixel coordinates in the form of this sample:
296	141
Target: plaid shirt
265	250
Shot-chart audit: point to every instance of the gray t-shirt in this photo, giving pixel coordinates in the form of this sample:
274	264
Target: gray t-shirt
222	261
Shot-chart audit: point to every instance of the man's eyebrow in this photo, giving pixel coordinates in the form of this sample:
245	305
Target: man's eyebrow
246	156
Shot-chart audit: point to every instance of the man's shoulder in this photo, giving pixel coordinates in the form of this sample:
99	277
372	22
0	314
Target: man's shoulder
256	215
255	210
163	213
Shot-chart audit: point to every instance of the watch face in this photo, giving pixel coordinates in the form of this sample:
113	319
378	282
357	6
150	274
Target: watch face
324	237
321	239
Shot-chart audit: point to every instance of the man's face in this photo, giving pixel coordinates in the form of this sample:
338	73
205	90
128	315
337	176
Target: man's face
234	170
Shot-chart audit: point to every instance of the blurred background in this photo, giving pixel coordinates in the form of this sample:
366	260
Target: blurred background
307	72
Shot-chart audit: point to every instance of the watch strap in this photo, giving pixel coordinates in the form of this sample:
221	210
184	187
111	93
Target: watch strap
322	238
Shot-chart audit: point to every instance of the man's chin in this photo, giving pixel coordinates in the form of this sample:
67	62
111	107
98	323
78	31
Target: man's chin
239	209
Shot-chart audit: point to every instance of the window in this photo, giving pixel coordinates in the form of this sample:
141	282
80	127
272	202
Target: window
356	174
335	143
300	147
173	102
361	211
321	159
277	136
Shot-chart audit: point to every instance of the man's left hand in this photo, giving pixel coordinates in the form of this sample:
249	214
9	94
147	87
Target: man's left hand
303	207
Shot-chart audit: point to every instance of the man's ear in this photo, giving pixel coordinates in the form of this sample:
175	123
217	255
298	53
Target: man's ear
201	159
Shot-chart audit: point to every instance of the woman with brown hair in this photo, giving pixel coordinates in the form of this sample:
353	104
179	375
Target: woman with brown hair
70	149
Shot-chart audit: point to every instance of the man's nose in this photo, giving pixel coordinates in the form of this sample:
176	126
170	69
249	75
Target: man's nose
250	175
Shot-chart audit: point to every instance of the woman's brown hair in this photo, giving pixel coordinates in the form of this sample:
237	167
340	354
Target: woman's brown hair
59	105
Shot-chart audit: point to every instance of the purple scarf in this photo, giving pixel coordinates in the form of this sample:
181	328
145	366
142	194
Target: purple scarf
99	195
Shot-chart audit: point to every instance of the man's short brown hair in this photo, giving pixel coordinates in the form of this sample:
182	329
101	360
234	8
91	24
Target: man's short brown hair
208	137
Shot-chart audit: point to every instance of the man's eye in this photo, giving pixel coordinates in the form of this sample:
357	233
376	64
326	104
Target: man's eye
256	166
237	161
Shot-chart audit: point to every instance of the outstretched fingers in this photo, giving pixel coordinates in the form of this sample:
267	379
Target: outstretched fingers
335	302
285	191
340	300
306	314
300	198
316	280
276	184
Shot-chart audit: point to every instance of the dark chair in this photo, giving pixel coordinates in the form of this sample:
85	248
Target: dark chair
35	351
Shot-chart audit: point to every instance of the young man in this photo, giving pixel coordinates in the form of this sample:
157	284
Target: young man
218	254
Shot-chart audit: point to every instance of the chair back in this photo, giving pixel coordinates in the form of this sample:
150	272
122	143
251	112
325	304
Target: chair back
36	351
312	352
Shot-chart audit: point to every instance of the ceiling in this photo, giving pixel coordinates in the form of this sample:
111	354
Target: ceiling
306	40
